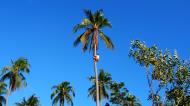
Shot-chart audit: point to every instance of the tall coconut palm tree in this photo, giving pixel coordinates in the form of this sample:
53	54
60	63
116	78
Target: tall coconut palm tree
61	93
31	101
93	24
105	80
14	75
3	91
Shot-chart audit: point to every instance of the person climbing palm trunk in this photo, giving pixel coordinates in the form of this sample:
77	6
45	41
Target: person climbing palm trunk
93	24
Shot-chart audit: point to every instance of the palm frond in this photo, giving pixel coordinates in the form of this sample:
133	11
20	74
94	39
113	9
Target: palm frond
107	40
89	15
22	76
22	64
83	38
91	78
17	83
5	69
3	88
79	26
72	91
92	92
2	100
105	23
6	76
85	43
54	87
105	93
99	16
91	44
55	100
77	41
55	92
69	99
85	24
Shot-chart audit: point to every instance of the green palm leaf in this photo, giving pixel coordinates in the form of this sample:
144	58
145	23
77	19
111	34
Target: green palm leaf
31	101
107	40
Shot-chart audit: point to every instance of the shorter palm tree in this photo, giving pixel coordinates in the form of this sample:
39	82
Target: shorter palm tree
61	93
3	91
105	80
14	75
31	101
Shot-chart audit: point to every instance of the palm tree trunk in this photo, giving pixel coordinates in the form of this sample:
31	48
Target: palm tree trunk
96	76
95	40
61	103
7	96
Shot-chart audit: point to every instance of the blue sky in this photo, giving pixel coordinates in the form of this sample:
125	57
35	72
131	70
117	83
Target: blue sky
41	30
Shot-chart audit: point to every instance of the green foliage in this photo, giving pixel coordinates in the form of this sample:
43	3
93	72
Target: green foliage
143	54
121	96
3	91
92	25
61	93
31	101
170	73
116	93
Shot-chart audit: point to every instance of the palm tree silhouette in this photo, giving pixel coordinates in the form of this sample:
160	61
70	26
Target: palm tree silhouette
14	74
61	93
93	25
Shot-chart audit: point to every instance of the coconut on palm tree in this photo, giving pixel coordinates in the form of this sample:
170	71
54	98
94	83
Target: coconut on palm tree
31	101
93	25
14	74
3	91
105	80
62	93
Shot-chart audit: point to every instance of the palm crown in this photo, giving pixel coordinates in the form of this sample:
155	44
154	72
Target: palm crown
14	73
93	24
105	80
31	101
61	93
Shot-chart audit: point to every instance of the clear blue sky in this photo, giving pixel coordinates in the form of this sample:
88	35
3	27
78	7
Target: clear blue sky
41	30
